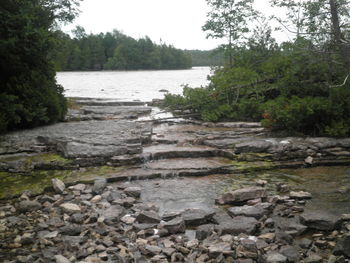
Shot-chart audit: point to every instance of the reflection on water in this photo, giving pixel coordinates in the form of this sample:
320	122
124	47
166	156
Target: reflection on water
330	187
130	85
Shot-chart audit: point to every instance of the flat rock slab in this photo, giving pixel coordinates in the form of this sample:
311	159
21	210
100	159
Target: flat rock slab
256	211
84	139
188	163
238	225
319	220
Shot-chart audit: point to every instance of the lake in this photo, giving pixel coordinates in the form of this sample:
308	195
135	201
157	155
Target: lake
130	85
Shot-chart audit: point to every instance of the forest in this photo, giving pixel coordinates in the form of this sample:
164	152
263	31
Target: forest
297	87
115	51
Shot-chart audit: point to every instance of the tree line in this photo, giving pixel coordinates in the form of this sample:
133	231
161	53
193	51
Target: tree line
298	86
115	51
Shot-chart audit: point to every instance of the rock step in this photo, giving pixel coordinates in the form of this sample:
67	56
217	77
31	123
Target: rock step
168	151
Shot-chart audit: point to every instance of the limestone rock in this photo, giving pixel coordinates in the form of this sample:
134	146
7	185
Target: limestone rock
70	208
58	185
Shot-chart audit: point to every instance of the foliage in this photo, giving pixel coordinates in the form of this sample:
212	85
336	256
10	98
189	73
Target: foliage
115	51
202	58
29	95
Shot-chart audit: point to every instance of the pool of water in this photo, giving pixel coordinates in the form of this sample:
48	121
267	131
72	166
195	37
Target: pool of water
330	187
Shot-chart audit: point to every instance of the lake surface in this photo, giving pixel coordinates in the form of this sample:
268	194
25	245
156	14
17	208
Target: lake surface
130	85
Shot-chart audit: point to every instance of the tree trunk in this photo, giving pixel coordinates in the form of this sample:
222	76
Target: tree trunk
338	35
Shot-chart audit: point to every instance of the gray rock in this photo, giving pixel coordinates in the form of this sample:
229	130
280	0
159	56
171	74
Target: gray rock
203	231
58	185
216	249
72	230
61	259
256	211
319	220
275	257
313	258
133	191
153	250
257	146
196	217
291	253
70	208
342	247
28	206
242	195
112	214
148	217
176	225
238	225
305	243
99	186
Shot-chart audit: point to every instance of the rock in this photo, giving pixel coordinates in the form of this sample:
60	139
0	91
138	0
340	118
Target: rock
77	187
256	211
216	249
58	185
305	243
99	186
342	247
275	257
28	206
196	217
203	231
300	195
77	218
148	217
242	195
313	258
61	259
153	250
176	225
291	253
309	160
70	208
128	219
319	220
257	146
112	214
96	199
133	191
72	230
238	225
261	183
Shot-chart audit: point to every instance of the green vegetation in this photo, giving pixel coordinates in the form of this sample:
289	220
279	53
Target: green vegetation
115	51
300	86
202	58
29	94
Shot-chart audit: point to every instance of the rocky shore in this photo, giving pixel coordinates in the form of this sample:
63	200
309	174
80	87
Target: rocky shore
75	196
110	223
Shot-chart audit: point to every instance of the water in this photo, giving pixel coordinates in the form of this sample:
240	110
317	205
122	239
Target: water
131	85
329	187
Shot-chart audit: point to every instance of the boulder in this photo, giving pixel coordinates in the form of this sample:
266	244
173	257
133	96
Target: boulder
291	253
256	211
28	206
342	247
99	186
196	217
58	185
61	259
112	214
176	225
238	225
242	195
275	257
148	217
319	220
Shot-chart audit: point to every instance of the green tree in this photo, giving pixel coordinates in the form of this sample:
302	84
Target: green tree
29	94
228	19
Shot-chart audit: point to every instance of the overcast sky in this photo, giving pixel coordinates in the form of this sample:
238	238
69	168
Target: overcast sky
176	22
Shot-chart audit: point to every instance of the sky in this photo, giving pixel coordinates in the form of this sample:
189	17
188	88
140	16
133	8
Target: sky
175	22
